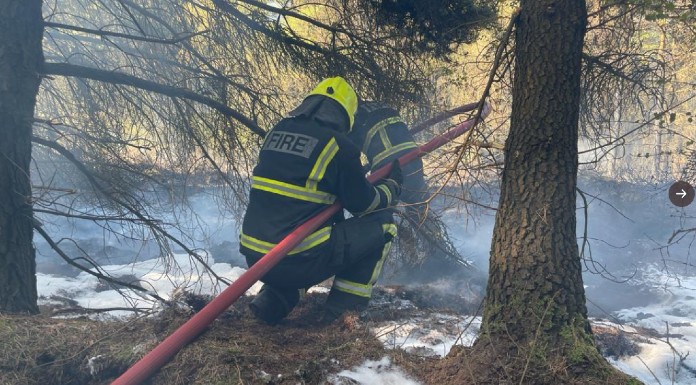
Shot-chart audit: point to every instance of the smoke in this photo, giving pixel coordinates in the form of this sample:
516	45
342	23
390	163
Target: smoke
628	229
200	220
627	225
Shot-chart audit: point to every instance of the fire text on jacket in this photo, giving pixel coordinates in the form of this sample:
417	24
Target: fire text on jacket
290	143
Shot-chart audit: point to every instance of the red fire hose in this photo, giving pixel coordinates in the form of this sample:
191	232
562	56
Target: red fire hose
168	348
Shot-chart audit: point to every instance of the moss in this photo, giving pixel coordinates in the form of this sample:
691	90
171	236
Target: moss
578	343
582	354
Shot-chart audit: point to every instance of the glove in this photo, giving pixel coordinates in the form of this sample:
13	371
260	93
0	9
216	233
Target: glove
393	181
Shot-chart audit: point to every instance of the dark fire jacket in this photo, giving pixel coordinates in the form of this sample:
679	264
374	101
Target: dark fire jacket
382	134
304	167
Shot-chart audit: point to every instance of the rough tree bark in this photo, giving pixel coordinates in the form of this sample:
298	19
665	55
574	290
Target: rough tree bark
535	272
535	328
21	57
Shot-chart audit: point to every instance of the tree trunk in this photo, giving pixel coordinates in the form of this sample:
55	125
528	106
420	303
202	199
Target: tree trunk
21	57
535	316
535	272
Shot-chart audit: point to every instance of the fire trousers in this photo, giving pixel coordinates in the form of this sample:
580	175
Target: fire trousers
354	255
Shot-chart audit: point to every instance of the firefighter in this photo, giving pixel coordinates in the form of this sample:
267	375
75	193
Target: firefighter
383	137
307	163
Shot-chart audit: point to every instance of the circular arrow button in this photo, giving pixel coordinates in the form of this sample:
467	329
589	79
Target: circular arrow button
681	194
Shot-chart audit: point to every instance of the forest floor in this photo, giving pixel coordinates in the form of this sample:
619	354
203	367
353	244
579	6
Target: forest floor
236	349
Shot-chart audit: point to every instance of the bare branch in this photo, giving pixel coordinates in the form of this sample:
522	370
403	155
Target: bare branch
72	70
101	32
88	217
612	70
101	276
150	222
258	27
299	16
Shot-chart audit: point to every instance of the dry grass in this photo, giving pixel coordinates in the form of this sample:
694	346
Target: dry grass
235	350
41	350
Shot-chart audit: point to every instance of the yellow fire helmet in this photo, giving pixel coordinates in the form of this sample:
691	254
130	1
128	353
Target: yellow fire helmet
339	90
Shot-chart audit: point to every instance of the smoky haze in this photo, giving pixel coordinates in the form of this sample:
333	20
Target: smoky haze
628	227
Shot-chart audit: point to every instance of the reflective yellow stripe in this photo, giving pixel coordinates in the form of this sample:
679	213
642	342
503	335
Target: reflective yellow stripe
386	191
315	239
385	139
391	151
290	190
365	290
354	288
309	192
389	228
379	127
386	228
375	202
321	164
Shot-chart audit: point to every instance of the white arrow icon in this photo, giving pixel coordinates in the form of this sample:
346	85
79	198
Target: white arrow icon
682	193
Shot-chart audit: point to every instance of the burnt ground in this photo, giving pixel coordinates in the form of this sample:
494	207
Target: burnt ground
236	349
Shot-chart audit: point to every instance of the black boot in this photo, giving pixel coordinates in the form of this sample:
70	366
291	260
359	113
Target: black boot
271	305
339	302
